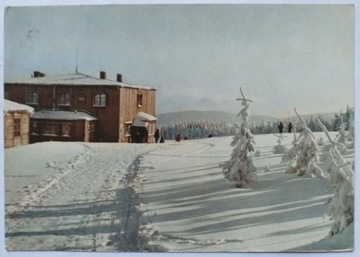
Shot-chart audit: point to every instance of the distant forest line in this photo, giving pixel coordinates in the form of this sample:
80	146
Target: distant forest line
208	128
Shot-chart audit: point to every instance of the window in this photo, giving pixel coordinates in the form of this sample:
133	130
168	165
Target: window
32	97
100	100
66	130
34	128
17	126
91	128
139	100
81	98
64	99
128	128
49	129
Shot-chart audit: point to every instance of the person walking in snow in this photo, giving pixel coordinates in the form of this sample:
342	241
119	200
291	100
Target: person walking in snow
280	127
290	127
157	135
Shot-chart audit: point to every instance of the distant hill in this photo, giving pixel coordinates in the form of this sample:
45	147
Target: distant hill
187	116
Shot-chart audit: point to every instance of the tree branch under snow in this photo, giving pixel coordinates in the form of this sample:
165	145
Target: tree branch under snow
243	97
301	118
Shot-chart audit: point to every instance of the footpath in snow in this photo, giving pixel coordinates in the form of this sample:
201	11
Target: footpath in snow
70	196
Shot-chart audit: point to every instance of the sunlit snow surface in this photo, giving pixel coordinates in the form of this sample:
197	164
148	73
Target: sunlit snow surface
161	197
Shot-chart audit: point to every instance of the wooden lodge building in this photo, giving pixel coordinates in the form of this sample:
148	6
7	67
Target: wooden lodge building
16	123
78	107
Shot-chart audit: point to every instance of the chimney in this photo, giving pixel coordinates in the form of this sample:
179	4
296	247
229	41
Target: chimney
38	74
102	75
119	77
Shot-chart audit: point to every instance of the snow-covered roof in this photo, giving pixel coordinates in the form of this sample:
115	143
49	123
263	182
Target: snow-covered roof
142	119
13	106
62	115
73	79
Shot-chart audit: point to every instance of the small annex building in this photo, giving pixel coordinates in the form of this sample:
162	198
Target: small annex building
16	123
143	128
58	125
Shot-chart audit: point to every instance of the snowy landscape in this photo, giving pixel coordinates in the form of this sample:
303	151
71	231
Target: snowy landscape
263	171
163	197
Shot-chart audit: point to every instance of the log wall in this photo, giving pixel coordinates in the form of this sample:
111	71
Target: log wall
10	138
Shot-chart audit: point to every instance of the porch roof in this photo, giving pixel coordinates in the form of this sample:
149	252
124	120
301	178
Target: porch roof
13	106
63	115
142	119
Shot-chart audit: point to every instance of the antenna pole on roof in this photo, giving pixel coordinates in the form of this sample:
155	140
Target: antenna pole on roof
76	68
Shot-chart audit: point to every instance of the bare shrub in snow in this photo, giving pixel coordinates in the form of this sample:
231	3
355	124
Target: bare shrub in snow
240	168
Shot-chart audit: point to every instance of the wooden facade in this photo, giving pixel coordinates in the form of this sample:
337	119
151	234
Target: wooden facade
16	124
113	103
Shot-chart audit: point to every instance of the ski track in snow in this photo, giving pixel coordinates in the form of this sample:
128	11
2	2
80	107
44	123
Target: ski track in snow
79	208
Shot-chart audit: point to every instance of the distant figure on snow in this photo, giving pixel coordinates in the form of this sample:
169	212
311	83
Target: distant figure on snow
157	135
280	127
290	127
178	138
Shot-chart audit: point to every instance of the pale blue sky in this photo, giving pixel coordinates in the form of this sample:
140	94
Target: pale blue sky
197	56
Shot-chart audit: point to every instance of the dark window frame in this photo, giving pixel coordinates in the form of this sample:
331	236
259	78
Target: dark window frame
17	127
32	97
64	99
100	100
139	100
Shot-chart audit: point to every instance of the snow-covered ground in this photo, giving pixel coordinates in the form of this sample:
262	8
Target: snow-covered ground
161	197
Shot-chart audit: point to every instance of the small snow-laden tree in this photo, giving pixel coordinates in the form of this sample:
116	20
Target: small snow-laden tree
341	177
240	168
279	148
307	152
351	133
331	150
290	155
342	134
341	206
334	147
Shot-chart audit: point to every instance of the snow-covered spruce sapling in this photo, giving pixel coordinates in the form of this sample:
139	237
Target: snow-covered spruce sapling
342	135
331	150
290	155
279	148
341	205
351	133
307	157
346	137
240	168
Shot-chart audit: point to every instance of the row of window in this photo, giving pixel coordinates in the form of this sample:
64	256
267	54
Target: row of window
50	129
64	99
55	129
